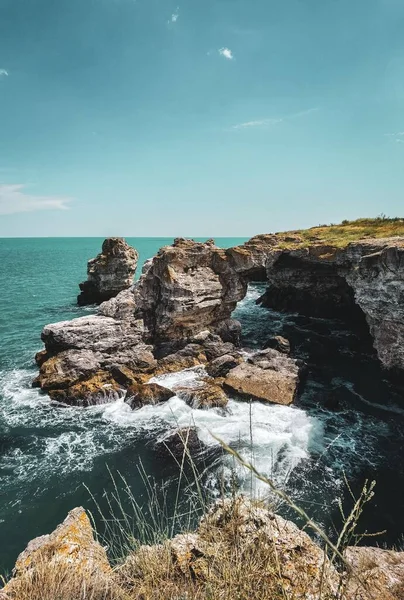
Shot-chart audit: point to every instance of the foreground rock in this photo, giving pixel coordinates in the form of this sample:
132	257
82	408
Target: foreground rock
111	272
70	551
240	547
269	375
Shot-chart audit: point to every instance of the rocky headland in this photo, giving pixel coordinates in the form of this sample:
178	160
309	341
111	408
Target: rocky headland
178	315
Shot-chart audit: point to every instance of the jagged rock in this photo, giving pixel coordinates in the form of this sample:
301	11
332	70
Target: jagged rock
109	273
378	284
70	547
190	356
269	375
219	367
208	395
139	395
190	287
178	442
279	343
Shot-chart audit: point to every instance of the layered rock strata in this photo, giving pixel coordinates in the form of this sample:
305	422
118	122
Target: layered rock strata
111	272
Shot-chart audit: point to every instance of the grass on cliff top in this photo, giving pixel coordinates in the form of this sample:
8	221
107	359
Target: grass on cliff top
342	234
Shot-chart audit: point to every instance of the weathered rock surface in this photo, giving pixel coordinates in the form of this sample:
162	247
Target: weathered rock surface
109	273
219	367
364	280
70	548
139	395
178	315
269	375
209	395
380	573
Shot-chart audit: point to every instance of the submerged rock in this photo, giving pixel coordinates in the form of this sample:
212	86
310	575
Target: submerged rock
269	376
277	342
179	443
109	273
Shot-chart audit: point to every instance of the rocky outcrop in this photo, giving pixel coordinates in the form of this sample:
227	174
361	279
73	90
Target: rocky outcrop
111	272
268	375
70	551
378	285
238	543
189	287
178	315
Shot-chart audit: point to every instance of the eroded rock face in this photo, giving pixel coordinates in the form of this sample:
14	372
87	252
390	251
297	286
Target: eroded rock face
380	573
190	287
269	375
378	284
109	273
178	315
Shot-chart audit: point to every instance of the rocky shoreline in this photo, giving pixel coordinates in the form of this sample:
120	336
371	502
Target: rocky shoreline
179	315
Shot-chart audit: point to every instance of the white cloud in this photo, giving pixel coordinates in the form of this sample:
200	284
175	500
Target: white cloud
3	73
261	123
273	121
13	200
174	17
227	53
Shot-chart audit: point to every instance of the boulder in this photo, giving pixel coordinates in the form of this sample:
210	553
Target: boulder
270	376
139	395
219	367
109	273
101	388
208	395
179	443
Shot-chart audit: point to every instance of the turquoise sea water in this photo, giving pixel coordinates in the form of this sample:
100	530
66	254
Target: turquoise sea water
47	452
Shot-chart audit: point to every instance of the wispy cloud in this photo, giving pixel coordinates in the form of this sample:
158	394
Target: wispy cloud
13	199
3	73
227	53
269	122
260	123
398	136
174	17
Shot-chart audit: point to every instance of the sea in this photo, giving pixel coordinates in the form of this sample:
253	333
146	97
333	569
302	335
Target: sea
345	429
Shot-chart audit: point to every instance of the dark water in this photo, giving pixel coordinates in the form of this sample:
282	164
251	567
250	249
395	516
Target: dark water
47	453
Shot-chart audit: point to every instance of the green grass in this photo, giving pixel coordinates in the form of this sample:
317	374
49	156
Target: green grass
340	235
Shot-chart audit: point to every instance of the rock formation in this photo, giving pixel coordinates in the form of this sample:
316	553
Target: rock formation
268	375
111	272
236	539
179	314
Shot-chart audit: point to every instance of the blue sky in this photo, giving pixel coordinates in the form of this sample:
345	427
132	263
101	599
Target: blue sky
198	117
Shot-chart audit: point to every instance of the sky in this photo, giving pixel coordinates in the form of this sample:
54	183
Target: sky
198	117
